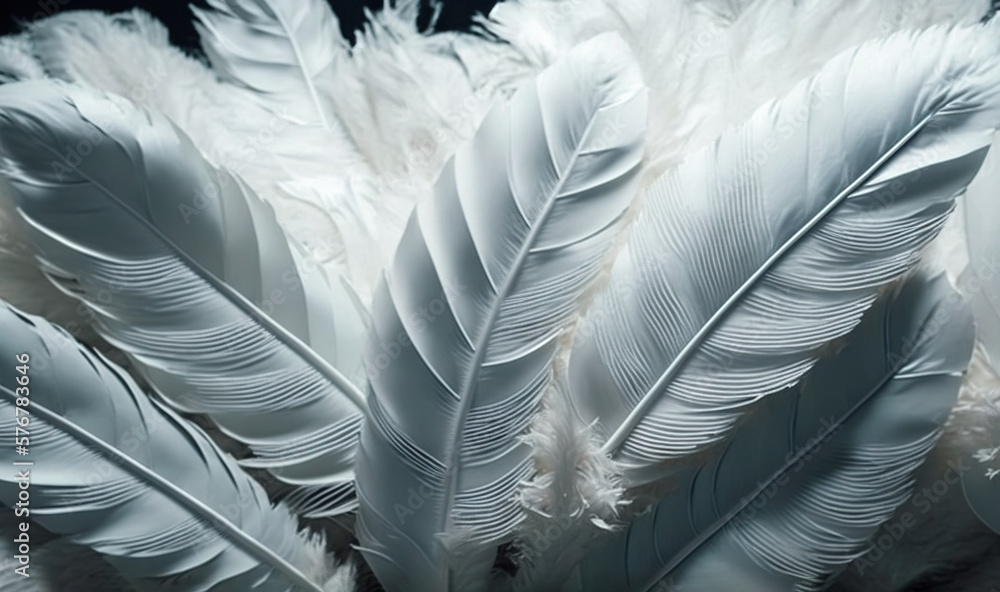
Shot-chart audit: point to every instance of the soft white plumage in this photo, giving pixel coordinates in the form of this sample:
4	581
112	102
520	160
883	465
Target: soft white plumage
316	129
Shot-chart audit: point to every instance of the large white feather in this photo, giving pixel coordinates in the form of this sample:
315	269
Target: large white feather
469	317
285	50
129	54
132	480
759	250
804	483
182	267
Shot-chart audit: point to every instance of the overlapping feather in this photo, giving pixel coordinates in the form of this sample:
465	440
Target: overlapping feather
134	481
759	250
285	50
814	470
467	321
182	267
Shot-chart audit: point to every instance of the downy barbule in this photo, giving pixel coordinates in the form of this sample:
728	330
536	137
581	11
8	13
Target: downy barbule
598	296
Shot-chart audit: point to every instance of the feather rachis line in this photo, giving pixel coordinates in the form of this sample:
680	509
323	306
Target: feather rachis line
612	446
244	304
827	431
140	471
313	95
451	476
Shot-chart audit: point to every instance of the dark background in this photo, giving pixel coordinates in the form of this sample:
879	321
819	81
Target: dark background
455	14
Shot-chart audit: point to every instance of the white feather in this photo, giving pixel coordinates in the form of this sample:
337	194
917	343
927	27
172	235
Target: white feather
571	500
814	470
935	532
284	50
197	283
16	60
517	228
759	250
134	481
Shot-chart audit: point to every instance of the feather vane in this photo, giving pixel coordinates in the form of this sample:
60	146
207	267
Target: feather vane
814	470
219	311
114	471
466	323
742	264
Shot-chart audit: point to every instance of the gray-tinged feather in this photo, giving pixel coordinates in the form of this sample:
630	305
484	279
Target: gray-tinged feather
185	269
130	479
466	323
814	470
773	241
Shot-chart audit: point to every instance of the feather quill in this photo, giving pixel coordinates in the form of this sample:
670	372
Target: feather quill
814	470
468	319
197	282
772	242
134	481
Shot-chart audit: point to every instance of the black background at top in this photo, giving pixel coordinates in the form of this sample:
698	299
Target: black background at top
455	14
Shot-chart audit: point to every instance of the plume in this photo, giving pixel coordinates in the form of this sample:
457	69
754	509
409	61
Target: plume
129	54
197	282
814	470
572	498
132	480
772	242
518	226
16	61
282	49
709	63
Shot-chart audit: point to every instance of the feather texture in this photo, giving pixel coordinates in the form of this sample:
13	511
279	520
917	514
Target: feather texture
981	282
743	264
467	321
129	54
16	61
710	63
134	481
981	483
197	283
814	470
284	49
981	277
